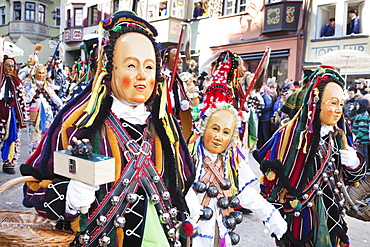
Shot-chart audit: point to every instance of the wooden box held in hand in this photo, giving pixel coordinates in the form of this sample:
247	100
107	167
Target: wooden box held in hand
94	170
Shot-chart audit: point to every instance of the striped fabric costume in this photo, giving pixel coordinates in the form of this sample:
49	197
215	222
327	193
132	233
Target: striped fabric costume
163	144
303	172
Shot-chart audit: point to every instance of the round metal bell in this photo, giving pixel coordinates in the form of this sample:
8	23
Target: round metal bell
212	191
171	233
84	238
173	212
119	221
125	181
154	198
164	218
132	197
104	240
156	179
229	221
177	244
195	232
234	201
101	220
238	216
297	214
227	186
235	238
166	195
200	187
207	213
223	203
115	200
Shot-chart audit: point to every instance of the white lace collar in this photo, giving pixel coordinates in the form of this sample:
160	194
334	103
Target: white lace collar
132	114
325	129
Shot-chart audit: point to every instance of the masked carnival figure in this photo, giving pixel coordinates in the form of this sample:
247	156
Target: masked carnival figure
43	104
309	161
13	114
28	71
121	112
223	179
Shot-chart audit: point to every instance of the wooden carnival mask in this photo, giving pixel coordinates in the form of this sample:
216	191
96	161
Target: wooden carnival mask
8	67
134	68
332	104
40	73
219	131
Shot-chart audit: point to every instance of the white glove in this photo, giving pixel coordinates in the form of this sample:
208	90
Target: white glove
349	157
184	105
79	196
276	225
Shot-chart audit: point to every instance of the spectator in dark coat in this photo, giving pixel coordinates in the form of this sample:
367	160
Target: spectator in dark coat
353	25
328	29
198	10
350	105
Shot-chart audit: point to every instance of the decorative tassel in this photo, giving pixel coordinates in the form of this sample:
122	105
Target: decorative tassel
296	204
271	176
186	229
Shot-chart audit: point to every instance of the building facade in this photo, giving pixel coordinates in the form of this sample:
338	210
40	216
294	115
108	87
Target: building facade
320	13
26	23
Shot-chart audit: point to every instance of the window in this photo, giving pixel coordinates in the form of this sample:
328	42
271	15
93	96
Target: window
236	6
93	15
41	13
57	17
69	18
354	24
325	13
17	11
78	17
178	9
30	11
157	8
2	15
115	6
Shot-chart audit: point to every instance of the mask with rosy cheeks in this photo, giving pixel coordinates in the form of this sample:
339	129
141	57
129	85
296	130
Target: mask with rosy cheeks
134	63
171	60
332	104
8	67
40	73
219	131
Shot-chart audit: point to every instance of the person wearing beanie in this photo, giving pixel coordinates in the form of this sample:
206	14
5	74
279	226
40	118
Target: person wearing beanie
360	127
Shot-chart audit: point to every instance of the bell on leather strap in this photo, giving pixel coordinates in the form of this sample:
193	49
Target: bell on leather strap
200	187
101	220
223	203
154	198
173	212
207	213
238	216
104	240
234	201
235	238
164	218
131	198
119	221
229	221
84	238
212	191
166	195
115	200
227	184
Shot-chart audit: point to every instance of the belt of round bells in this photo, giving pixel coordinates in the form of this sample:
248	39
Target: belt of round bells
214	185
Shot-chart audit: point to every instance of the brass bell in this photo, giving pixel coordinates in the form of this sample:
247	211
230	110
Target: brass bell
154	198
115	200
104	240
101	220
119	221
132	197
84	238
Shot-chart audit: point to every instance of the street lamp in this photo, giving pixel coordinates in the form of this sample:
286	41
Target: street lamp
53	14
